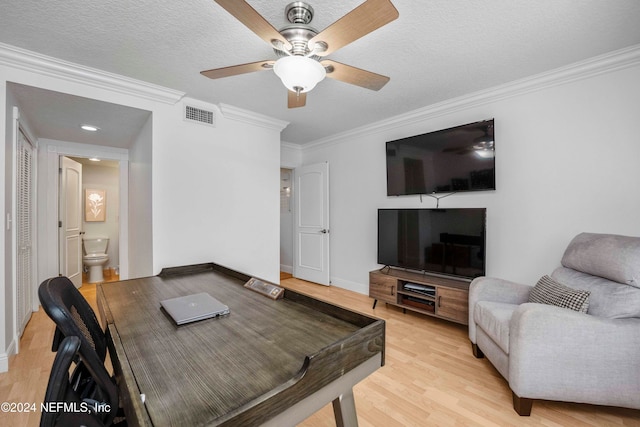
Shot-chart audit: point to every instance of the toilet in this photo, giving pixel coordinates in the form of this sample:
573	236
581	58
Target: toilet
95	249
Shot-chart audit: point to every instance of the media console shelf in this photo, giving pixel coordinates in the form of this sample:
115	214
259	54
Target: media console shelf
434	296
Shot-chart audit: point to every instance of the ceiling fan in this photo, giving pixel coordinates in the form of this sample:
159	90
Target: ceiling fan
301	49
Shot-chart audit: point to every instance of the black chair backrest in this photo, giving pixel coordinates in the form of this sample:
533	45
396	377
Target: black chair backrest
59	390
74	317
69	309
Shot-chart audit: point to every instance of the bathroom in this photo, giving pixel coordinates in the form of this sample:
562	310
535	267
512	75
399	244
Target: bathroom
101	176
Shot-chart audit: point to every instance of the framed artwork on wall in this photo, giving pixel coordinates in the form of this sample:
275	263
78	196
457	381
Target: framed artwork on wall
94	205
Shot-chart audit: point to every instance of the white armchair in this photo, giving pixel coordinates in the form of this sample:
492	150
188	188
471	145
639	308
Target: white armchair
554	353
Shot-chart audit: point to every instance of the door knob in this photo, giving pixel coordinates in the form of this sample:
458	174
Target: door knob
324	231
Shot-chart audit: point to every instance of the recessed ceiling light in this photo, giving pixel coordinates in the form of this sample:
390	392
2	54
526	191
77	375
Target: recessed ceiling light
90	128
94	159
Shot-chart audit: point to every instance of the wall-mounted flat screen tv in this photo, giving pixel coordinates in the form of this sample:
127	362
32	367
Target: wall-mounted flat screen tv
451	160
447	242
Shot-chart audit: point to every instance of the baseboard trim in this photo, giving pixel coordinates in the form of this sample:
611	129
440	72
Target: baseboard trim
286	268
350	286
4	362
4	357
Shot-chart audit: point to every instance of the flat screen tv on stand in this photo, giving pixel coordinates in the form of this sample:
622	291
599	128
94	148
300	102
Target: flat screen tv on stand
440	242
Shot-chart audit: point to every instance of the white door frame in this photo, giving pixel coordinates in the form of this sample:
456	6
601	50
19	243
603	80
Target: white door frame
288	243
48	246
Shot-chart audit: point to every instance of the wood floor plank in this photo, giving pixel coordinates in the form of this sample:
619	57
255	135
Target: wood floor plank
431	371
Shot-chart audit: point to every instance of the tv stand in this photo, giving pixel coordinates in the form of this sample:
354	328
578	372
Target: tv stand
446	298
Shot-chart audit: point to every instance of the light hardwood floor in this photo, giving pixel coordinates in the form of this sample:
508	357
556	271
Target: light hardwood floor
430	377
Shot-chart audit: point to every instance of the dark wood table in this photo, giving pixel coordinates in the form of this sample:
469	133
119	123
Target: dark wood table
269	362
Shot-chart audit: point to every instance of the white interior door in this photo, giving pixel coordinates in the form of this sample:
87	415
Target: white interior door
311	228
71	220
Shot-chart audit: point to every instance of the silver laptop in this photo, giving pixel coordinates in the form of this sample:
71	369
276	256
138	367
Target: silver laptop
191	308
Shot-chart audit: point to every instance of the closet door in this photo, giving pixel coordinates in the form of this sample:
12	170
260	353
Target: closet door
25	276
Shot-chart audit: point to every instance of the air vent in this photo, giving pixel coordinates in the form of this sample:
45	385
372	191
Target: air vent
199	115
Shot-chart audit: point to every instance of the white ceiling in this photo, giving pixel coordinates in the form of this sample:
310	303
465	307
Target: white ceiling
58	116
435	50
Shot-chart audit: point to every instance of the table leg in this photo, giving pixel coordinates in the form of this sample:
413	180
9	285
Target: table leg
338	391
344	410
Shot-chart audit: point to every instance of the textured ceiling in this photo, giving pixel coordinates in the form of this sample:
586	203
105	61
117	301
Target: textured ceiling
435	50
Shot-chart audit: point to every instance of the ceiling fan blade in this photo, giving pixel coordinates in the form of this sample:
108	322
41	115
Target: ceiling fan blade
369	16
234	70
246	14
296	100
354	76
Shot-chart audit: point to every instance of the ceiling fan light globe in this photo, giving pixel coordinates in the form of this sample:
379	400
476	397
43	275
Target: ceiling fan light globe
299	73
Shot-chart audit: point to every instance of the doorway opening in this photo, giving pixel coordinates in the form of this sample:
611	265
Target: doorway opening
89	240
286	223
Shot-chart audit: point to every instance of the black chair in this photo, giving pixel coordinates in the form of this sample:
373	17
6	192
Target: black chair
74	317
60	390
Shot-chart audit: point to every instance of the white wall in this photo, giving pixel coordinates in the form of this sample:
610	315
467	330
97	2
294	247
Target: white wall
140	204
566	162
98	177
290	155
215	195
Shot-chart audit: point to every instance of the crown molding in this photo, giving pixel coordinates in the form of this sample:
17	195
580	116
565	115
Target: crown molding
249	117
46	65
291	145
609	62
